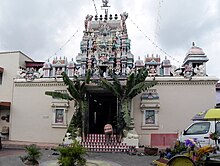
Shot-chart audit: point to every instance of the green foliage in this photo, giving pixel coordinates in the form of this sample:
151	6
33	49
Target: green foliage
32	156
126	114
75	87
77	90
59	95
72	155
75	125
135	85
179	148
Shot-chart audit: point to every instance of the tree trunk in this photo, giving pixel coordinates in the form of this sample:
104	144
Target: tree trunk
126	112
83	119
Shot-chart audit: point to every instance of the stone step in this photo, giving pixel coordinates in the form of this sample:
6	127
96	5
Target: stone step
103	143
97	143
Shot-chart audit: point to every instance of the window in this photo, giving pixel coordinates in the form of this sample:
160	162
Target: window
59	117
198	128
59	110
149	117
218	128
1	77
150	107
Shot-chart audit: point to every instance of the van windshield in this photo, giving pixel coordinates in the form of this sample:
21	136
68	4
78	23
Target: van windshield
198	128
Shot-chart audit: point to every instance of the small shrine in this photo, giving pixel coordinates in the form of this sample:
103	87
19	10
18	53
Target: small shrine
195	62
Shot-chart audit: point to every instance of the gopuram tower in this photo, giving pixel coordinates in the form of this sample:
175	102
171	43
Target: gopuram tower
105	45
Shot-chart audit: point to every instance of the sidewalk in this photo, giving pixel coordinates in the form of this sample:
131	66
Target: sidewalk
88	163
10	156
22	144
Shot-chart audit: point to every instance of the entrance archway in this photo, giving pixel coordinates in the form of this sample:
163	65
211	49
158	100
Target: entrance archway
102	110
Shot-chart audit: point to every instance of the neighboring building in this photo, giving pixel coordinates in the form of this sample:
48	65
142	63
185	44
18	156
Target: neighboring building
218	94
10	62
159	113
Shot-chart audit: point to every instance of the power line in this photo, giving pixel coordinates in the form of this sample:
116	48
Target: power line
95	7
65	43
152	42
158	19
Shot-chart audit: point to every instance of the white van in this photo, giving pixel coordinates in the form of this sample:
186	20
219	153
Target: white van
201	131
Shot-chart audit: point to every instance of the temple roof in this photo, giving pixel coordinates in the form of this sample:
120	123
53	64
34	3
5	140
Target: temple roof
194	50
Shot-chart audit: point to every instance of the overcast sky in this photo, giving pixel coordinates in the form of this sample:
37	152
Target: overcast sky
39	28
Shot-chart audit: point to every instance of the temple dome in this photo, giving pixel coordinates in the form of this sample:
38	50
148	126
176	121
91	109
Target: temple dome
195	50
195	55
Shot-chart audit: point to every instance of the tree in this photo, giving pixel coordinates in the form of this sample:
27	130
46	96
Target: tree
76	91
125	91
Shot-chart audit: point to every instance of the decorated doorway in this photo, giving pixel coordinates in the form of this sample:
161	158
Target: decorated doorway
102	110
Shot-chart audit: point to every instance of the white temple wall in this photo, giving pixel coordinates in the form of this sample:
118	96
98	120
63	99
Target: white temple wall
179	101
32	114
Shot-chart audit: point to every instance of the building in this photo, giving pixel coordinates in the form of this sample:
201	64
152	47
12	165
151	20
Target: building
159	113
218	94
9	65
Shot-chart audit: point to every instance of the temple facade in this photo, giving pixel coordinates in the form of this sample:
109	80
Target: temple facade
159	113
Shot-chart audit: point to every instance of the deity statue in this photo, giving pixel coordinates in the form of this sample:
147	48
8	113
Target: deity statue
88	18
188	72
128	70
90	43
199	70
124	16
152	71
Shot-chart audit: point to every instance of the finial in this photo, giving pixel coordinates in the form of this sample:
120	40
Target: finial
105	6
105	3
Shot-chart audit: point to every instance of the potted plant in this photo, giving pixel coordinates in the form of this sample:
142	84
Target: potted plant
32	156
72	155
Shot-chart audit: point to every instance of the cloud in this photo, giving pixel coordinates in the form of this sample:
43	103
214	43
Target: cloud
186	21
41	28
34	26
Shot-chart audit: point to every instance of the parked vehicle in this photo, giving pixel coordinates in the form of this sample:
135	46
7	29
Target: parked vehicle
201	131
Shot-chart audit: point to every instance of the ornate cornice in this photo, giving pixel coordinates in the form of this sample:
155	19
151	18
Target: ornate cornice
187	83
167	81
162	81
32	84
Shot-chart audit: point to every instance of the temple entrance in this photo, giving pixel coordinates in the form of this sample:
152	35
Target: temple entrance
102	110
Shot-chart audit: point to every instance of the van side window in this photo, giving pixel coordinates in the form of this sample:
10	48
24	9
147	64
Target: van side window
198	128
218	128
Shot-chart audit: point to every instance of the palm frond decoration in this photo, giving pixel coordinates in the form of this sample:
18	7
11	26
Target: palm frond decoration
135	84
59	95
77	90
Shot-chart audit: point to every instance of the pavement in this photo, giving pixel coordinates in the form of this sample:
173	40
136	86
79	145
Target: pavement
10	157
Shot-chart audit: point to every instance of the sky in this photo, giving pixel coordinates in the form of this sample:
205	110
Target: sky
44	29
